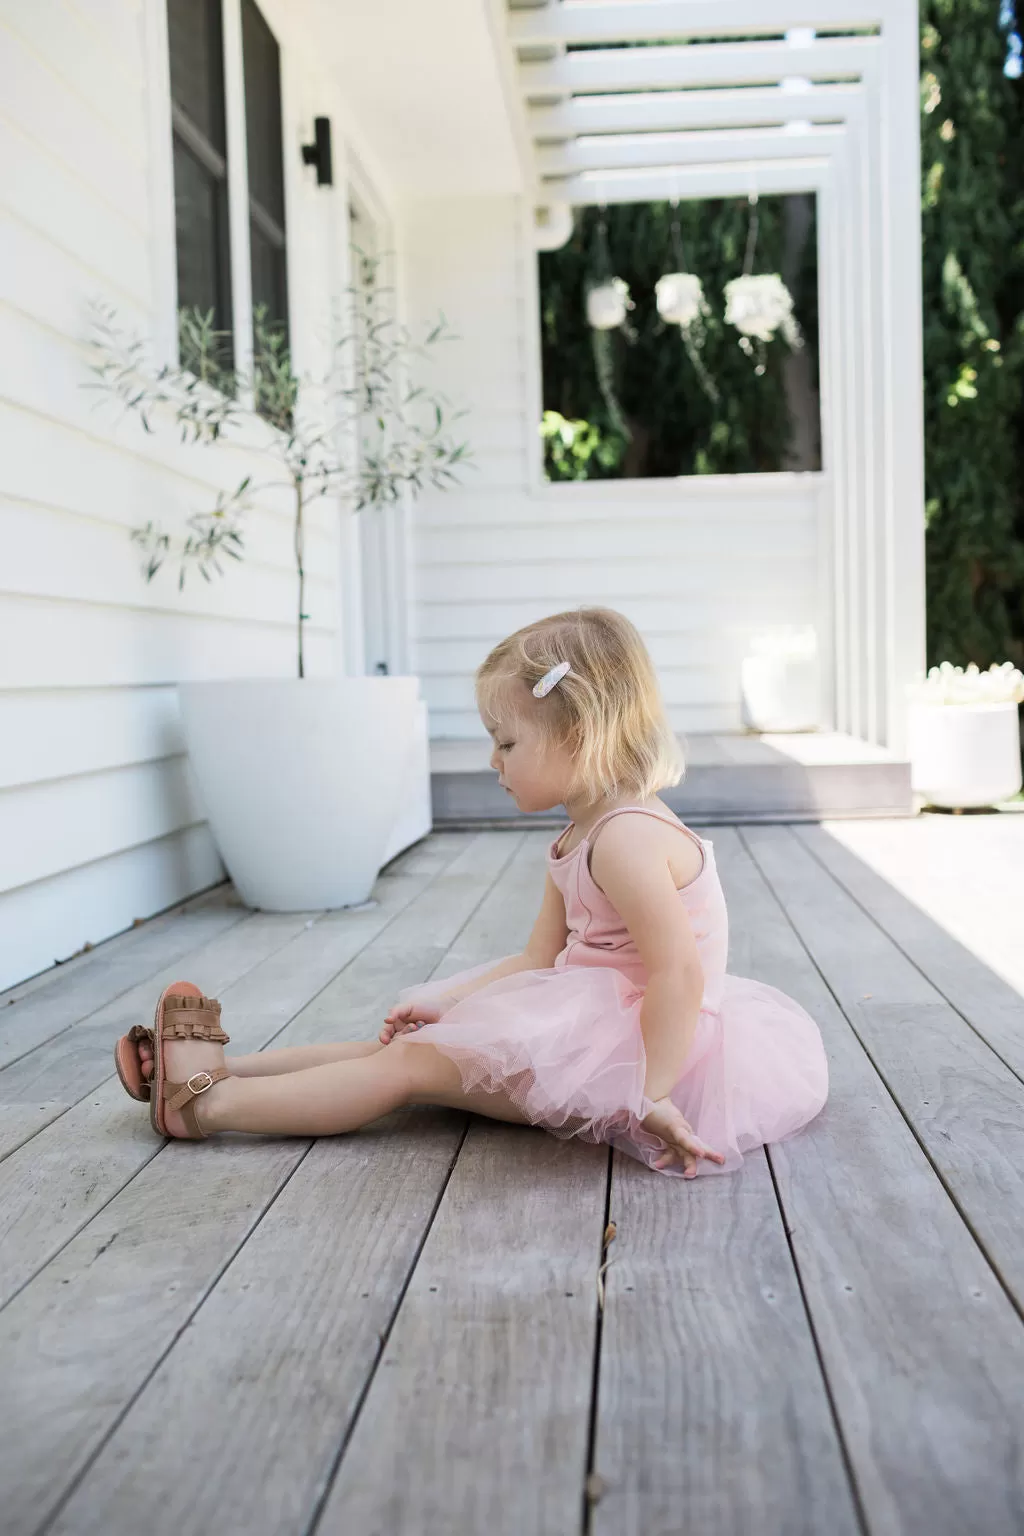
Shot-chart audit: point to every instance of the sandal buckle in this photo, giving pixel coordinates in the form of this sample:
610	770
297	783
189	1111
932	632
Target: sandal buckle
199	1082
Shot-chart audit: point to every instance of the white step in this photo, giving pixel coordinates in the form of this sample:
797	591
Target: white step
806	777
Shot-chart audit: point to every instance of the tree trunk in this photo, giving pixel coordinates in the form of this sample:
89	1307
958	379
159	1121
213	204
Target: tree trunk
803	450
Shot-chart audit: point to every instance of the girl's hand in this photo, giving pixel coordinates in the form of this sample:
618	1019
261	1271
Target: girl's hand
406	1017
671	1125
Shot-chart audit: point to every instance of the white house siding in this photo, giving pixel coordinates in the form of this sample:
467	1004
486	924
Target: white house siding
701	565
99	820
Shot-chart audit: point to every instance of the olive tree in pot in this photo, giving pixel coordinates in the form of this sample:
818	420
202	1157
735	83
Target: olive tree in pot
303	779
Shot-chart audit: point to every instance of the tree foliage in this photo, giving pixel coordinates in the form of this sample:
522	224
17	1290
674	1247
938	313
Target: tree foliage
972	164
361	431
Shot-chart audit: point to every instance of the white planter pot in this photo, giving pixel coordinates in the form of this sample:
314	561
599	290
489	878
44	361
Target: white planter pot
303	782
964	754
780	693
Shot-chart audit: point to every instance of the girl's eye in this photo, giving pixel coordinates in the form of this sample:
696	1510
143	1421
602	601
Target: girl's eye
505	746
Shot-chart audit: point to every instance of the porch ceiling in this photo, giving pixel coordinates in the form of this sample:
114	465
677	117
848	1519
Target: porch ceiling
431	86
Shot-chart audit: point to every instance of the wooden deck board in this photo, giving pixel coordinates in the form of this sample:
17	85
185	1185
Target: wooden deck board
135	1294
966	1106
985	905
507	1279
246	1337
56	1074
113	968
485	1383
713	1414
56	1182
923	1352
67	974
286	1389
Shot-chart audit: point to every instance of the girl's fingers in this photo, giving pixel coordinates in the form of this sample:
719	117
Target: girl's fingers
688	1150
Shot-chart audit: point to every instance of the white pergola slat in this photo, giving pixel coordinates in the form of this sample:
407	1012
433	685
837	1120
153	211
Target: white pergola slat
721	64
708	119
577	21
646	185
609	152
655	111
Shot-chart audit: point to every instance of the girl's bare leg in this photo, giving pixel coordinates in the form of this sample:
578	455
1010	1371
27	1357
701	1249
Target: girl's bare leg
294	1058
297	1058
329	1099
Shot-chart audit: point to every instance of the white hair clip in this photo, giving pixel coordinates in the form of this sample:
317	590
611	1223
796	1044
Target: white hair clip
548	681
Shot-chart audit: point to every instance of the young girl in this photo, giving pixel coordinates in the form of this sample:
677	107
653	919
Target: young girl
617	1023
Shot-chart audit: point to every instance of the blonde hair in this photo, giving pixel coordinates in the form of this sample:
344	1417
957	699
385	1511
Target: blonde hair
608	708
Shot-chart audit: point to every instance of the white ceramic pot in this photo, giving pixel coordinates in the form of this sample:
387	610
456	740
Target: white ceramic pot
303	782
780	693
964	754
679	296
606	307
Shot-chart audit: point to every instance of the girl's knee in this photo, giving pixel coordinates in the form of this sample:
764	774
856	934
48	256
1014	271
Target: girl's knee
429	1075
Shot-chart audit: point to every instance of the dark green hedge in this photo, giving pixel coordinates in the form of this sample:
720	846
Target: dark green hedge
972	166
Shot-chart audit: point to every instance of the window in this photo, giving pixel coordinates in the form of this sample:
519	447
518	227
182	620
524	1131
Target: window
199	111
262	67
195	36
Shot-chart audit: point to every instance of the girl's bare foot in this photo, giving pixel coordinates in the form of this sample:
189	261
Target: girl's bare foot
146	1059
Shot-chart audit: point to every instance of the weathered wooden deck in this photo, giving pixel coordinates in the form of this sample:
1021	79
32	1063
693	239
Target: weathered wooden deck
403	1332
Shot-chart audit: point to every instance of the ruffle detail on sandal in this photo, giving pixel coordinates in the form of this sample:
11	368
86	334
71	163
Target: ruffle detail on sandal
192	1018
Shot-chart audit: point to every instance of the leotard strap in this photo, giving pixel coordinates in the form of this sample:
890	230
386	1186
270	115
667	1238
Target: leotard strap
643	810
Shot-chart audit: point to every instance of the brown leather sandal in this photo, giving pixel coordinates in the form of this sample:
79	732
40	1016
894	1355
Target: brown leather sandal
128	1061
183	1013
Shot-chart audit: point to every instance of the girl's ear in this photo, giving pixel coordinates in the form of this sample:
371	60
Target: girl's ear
573	741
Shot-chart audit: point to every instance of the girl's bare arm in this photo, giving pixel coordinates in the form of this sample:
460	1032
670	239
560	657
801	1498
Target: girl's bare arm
631	864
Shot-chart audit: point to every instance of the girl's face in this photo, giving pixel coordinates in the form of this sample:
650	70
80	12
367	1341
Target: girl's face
534	772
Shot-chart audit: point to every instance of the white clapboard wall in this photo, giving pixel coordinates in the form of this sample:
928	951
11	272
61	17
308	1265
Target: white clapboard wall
701	565
99	819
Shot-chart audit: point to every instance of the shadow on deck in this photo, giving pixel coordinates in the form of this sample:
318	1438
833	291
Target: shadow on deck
411	1331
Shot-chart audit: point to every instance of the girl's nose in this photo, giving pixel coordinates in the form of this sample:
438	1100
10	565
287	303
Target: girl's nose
495	760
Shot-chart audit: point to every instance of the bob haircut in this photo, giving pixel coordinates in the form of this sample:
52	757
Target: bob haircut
608	708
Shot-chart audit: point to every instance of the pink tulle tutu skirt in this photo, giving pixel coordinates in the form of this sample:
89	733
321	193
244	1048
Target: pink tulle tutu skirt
566	1047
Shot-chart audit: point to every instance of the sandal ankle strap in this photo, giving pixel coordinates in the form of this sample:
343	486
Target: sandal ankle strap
182	1095
192	1018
